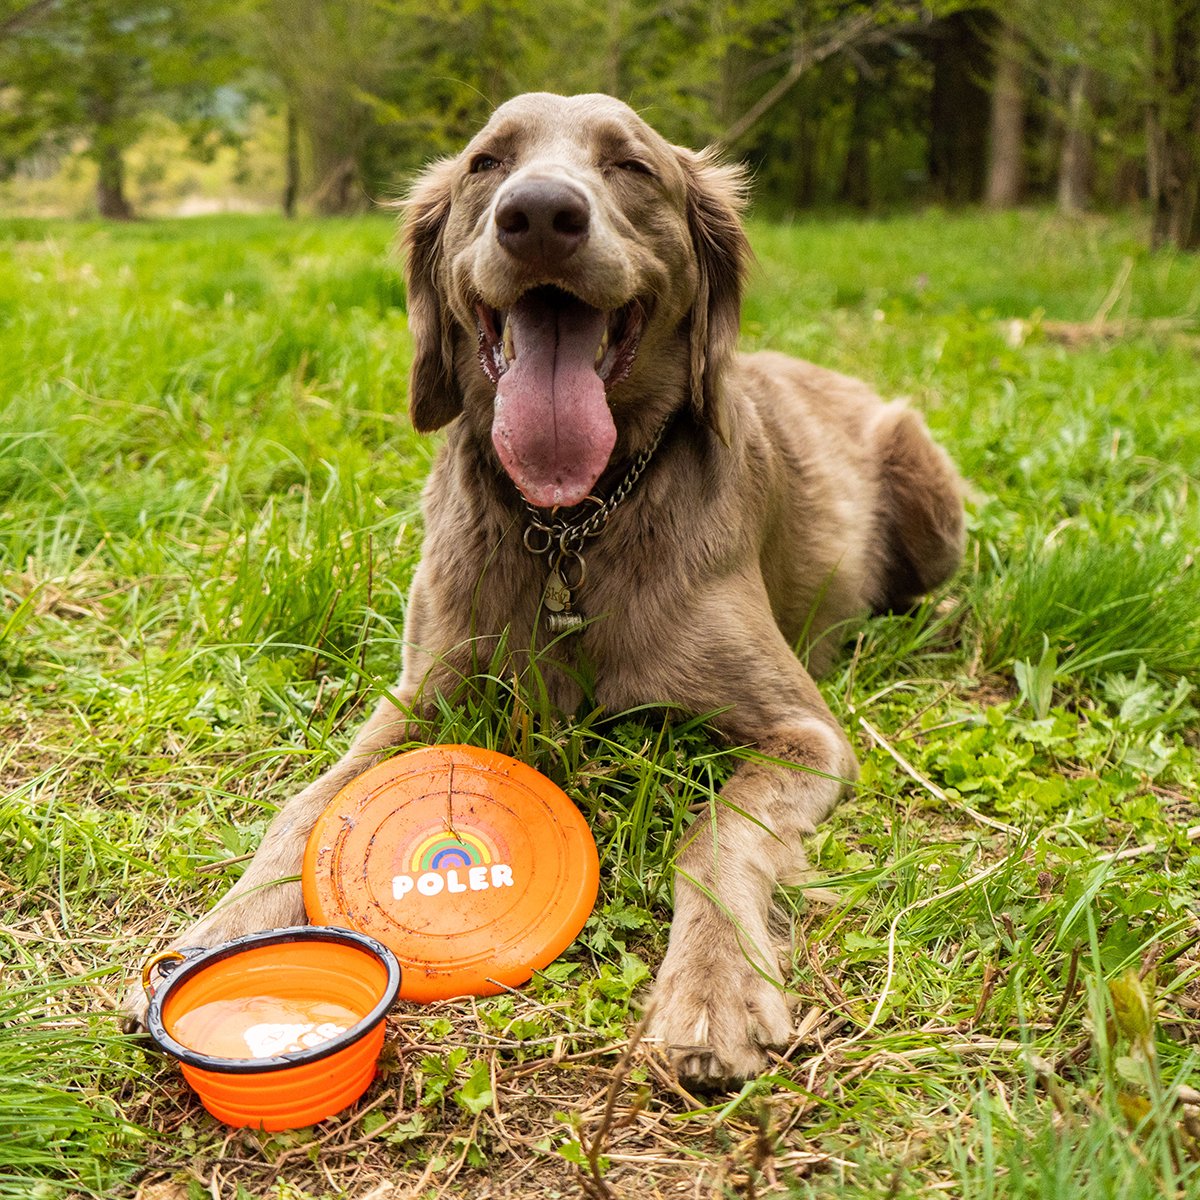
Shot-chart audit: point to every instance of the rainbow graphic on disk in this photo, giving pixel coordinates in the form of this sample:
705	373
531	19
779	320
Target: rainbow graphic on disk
464	847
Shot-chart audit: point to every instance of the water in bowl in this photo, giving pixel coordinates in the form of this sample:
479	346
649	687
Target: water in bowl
262	1026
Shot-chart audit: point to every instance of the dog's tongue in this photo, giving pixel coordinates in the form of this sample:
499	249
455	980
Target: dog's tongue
551	427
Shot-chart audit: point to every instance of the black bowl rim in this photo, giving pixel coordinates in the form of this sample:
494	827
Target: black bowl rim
257	1066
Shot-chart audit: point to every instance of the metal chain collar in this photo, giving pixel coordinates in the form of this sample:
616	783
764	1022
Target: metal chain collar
561	541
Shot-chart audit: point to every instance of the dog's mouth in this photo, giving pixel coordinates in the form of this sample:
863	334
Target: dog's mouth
553	359
614	352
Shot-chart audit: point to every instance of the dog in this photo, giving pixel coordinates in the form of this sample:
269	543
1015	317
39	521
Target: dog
620	487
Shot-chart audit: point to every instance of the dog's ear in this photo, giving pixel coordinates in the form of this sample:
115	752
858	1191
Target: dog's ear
716	198
434	397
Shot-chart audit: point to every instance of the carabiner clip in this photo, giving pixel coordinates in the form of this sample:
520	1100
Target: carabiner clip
153	961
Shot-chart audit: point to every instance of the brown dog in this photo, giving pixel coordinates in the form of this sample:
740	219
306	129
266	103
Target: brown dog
574	288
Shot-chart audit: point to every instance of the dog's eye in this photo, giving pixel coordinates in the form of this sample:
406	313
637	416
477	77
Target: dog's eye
484	162
633	165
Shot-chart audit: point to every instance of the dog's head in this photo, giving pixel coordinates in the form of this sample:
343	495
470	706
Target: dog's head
572	279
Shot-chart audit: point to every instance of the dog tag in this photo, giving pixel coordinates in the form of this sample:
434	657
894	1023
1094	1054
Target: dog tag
557	597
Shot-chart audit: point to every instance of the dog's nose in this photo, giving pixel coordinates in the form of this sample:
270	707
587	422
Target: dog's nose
542	221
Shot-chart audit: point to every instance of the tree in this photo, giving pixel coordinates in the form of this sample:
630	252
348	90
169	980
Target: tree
1121	80
960	106
1173	122
1075	161
1006	145
97	68
1065	52
326	59
374	87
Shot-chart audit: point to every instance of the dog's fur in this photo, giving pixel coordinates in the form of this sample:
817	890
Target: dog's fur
782	500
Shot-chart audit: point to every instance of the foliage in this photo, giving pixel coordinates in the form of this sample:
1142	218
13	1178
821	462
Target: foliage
99	68
868	102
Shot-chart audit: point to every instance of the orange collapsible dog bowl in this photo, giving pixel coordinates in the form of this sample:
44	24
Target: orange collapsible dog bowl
276	1030
473	867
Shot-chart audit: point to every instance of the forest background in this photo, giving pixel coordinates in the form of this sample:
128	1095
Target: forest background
124	107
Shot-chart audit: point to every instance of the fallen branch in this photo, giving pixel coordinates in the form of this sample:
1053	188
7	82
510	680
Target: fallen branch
1079	333
1191	835
593	1147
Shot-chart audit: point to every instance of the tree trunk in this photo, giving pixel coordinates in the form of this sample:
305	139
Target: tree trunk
1177	217
1075	163
959	106
1173	129
804	158
339	191
493	52
729	73
292	163
337	131
110	179
1129	182
613	75
1007	144
856	175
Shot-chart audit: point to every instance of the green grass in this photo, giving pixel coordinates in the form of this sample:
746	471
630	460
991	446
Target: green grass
208	520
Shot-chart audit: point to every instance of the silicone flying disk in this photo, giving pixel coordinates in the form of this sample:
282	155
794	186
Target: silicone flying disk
471	866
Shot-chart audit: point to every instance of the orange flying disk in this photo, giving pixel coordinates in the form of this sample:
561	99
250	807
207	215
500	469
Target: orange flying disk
472	867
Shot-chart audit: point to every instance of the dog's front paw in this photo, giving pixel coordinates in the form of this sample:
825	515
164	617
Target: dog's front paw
716	1015
275	907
